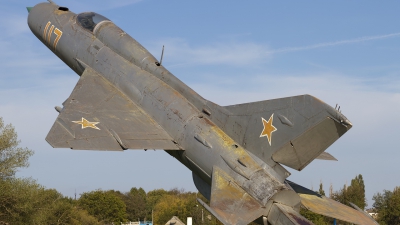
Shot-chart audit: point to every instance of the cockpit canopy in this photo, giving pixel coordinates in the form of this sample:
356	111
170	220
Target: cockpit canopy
89	20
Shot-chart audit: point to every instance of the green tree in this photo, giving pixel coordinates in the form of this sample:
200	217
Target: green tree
106	206
355	193
152	198
182	204
321	189
82	217
12	157
23	201
135	201
387	205
176	203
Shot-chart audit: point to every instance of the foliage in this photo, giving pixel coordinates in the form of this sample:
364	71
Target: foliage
387	205
317	219
152	198
81	217
321	189
168	207
106	206
181	204
355	193
135	201
12	157
23	201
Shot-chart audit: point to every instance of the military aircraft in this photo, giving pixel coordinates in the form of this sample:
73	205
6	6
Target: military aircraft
126	99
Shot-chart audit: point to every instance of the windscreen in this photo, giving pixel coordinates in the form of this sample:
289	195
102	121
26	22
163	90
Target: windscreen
89	20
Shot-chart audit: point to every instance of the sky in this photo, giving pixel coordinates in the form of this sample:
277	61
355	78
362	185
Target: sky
230	52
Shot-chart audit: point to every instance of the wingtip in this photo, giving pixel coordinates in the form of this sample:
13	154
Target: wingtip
347	122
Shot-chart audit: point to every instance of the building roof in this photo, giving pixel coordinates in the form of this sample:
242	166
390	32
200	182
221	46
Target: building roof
174	221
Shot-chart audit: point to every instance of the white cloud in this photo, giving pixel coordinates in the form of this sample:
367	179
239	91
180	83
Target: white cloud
334	43
179	52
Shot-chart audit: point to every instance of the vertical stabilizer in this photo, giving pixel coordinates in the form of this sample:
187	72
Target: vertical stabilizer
292	131
229	202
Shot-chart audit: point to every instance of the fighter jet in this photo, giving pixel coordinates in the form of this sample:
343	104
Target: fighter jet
126	99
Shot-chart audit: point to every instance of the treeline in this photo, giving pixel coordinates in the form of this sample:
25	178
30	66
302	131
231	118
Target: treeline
24	201
386	205
157	205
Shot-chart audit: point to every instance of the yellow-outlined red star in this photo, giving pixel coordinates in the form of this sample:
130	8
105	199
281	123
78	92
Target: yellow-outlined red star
268	128
85	124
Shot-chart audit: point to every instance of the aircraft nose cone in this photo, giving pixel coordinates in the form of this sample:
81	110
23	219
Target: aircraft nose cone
29	9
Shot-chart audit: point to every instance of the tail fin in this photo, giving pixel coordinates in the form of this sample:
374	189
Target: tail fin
229	203
292	131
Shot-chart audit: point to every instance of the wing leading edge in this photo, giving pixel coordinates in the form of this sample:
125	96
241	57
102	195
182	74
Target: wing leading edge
97	116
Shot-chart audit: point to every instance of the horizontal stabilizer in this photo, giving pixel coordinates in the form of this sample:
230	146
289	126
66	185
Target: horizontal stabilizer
326	156
329	207
362	211
97	116
300	151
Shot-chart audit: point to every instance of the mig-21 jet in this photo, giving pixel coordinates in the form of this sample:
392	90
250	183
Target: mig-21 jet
126	99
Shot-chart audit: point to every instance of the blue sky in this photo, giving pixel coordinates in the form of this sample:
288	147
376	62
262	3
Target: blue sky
344	52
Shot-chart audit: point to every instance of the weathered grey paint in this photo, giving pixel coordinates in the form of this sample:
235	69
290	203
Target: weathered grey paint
126	100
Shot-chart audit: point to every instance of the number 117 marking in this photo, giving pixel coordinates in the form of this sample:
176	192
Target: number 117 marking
48	32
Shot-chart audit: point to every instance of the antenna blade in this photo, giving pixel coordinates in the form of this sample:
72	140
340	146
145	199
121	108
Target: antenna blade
162	55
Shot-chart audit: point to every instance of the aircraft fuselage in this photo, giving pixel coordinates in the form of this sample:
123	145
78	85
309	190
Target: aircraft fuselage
124	90
133	70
